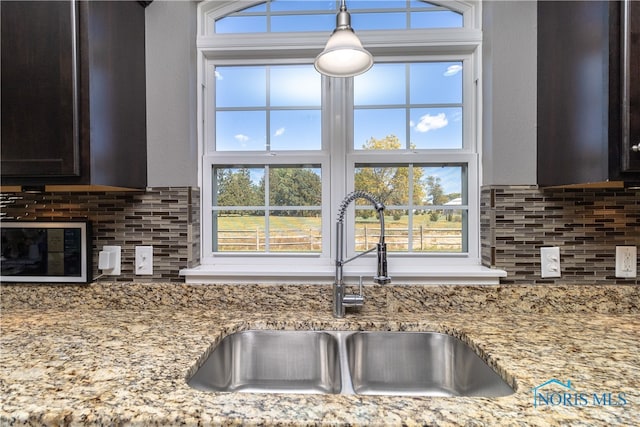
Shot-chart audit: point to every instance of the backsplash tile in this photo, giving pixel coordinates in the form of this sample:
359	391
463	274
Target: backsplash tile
166	218
587	225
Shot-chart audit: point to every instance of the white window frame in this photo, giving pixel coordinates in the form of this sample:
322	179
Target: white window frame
337	150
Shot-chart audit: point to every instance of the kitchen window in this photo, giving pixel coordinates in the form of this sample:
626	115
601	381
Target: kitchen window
281	145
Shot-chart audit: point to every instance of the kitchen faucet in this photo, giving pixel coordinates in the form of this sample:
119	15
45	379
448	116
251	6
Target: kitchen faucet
340	299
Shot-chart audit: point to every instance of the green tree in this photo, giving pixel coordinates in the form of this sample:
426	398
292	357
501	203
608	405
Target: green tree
235	188
452	196
389	184
294	187
435	195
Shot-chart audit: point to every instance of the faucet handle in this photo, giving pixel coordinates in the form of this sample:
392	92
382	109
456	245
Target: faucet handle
353	300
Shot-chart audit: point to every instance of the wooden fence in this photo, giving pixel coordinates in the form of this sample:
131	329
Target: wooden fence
397	239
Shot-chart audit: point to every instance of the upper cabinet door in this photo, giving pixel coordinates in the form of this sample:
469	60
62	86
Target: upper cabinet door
574	97
73	94
631	91
39	91
588	93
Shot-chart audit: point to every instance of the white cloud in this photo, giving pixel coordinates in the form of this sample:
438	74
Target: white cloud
218	75
452	70
429	122
241	138
279	132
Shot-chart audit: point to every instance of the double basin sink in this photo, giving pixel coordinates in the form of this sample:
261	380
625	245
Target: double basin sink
347	362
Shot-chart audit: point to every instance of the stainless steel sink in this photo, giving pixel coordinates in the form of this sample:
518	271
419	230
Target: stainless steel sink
348	362
272	361
420	364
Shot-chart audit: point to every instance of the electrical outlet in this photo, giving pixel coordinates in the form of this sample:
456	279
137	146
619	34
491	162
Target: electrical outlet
109	260
550	261
144	260
626	261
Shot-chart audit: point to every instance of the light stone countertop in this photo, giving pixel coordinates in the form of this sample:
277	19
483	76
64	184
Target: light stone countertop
119	354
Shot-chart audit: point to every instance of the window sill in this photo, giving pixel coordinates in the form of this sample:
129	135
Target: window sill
431	275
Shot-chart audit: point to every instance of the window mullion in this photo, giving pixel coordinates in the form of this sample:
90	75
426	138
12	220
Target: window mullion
410	209
407	106
268	108
267	206
340	133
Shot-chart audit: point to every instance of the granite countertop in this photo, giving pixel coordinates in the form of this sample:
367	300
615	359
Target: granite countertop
114	353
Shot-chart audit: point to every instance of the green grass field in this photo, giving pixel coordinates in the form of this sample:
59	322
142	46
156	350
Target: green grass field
275	222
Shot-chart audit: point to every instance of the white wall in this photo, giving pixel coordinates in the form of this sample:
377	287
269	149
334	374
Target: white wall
509	92
509	99
172	145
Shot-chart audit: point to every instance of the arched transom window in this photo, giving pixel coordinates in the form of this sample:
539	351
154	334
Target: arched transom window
281	145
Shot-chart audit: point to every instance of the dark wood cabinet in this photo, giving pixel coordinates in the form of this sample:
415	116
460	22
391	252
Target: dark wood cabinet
582	72
73	93
631	86
39	96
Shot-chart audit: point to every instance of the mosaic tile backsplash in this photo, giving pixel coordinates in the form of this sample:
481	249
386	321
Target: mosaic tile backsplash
586	224
516	221
166	218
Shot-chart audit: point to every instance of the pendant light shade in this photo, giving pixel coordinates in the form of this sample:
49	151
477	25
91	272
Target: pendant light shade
343	56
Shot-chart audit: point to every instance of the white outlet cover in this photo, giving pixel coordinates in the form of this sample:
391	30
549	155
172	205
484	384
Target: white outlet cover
550	262
626	262
144	260
117	251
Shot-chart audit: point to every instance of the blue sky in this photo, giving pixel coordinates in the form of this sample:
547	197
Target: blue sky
321	16
279	107
429	117
382	107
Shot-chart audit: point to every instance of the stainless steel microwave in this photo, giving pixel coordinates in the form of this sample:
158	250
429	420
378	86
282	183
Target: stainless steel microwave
45	252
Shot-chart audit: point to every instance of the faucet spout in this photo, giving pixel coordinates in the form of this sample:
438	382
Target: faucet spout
340	299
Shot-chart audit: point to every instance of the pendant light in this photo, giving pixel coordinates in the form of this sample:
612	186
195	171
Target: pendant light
343	56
